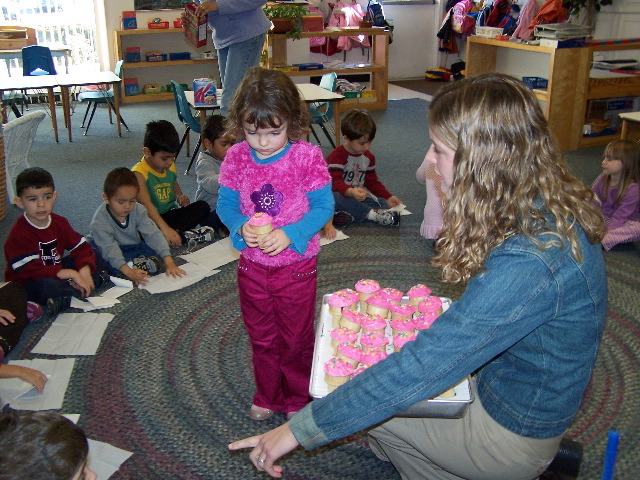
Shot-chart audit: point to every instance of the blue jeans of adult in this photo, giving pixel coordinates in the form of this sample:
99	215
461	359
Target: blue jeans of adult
233	62
358	210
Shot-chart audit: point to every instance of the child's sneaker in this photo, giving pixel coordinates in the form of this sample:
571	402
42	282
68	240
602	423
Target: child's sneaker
151	264
342	219
102	279
387	217
57	305
34	311
199	235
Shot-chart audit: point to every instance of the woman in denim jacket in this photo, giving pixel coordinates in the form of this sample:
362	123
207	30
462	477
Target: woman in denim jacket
518	228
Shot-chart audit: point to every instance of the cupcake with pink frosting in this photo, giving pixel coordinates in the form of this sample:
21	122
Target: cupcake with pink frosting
373	340
392	294
351	320
417	293
402	310
378	305
336	372
342	335
374	323
365	288
425	320
349	352
339	300
402	325
401	338
261	224
371	356
430	304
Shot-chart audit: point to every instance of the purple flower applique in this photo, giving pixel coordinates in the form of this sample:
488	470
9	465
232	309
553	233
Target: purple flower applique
267	200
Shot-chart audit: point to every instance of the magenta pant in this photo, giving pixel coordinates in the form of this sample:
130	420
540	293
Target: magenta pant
278	308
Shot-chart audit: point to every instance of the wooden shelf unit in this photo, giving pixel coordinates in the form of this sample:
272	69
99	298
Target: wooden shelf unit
276	46
125	38
569	84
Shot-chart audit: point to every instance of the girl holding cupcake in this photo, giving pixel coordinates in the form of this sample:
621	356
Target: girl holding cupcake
521	232
276	173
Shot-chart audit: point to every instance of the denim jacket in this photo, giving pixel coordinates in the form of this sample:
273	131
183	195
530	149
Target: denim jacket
529	324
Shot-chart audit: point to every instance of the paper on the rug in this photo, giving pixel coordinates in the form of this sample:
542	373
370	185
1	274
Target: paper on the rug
93	303
339	236
105	459
162	283
57	371
214	255
74	334
74	417
402	208
122	286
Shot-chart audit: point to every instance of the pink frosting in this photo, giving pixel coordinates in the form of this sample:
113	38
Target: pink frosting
343	298
430	304
353	316
378	301
337	367
402	324
405	309
350	351
343	334
373	322
373	340
372	356
419	291
400	339
391	294
425	320
260	218
367	286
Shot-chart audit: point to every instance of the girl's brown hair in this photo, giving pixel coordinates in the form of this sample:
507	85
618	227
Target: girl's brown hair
628	152
267	98
510	178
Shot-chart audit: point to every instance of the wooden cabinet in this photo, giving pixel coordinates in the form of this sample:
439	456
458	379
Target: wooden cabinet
570	85
169	40
276	46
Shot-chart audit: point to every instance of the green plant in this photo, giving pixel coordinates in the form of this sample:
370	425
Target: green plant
589	6
291	12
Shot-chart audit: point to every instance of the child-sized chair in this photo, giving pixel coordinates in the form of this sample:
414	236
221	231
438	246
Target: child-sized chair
186	117
322	112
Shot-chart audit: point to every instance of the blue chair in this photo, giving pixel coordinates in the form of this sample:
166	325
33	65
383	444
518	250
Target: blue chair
37	60
95	97
186	117
322	112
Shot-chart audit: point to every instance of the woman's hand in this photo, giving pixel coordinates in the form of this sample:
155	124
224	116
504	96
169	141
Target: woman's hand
205	7
267	448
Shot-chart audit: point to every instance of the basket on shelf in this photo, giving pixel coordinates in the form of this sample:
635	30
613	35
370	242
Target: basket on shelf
598	126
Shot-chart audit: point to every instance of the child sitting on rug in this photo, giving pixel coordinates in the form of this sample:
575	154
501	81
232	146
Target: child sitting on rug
215	143
36	243
359	194
160	193
43	446
275	176
617	191
125	235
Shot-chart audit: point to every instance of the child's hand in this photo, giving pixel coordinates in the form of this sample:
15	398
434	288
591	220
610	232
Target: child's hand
249	235
76	280
172	237
137	276
34	377
85	273
6	317
394	201
275	242
359	194
329	231
171	269
183	200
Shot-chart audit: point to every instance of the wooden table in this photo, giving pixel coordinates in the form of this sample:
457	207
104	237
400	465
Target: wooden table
90	78
32	83
626	119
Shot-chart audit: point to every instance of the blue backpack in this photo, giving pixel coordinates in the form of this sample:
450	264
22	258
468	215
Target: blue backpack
375	14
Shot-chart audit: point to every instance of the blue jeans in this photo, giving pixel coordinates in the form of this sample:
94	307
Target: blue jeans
233	62
358	210
129	252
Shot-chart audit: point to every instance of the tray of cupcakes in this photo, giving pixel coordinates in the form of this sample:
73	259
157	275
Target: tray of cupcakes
359	327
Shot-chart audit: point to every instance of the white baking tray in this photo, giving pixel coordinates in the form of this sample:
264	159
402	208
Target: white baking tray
438	407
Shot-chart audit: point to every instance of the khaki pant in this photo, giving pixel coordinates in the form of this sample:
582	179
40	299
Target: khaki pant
474	447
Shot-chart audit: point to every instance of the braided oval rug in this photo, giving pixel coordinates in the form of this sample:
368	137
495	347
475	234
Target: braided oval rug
172	379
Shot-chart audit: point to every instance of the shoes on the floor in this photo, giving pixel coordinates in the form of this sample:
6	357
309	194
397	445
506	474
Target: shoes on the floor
151	265
260	413
102	279
342	219
34	311
199	235
57	305
388	218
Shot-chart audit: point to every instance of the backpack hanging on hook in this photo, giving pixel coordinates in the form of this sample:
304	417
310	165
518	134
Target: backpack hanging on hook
375	15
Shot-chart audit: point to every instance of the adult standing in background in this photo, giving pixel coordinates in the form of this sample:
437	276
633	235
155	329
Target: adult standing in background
238	29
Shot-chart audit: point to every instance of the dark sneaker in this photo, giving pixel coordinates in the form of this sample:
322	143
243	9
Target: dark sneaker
57	305
151	264
102	279
342	219
386	217
200	235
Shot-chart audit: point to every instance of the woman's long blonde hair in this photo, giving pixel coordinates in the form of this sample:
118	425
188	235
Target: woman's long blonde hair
510	178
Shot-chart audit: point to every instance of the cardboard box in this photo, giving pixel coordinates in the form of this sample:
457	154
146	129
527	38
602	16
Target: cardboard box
312	23
195	28
132	55
129	20
204	92
157	25
131	86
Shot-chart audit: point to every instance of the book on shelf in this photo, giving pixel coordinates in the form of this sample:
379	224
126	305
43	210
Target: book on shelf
622	64
561	31
563	43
